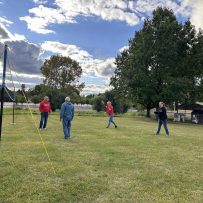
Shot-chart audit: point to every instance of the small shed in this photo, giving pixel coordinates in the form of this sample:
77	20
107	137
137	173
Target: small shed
196	114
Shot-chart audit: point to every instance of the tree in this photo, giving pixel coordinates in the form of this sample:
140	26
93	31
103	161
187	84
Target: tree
162	63
90	98
97	103
60	72
57	96
20	97
61	79
120	106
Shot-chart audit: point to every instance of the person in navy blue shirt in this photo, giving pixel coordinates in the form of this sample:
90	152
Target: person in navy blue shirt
162	115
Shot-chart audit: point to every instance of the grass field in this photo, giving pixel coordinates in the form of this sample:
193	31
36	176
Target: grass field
128	164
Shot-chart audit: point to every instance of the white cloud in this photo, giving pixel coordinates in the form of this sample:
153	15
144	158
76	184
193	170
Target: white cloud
25	58
17	79
95	89
72	51
24	55
40	1
131	12
5	21
123	48
90	66
5	35
197	13
187	8
67	12
43	17
100	68
93	69
29	81
147	6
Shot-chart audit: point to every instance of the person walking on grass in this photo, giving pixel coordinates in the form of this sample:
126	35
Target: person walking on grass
45	109
66	116
162	115
110	112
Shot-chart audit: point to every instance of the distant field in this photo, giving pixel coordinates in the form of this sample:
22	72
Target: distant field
128	164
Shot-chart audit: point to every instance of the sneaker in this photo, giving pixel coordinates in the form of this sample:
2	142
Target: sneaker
67	138
116	126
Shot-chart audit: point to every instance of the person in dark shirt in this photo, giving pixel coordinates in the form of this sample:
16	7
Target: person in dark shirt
162	115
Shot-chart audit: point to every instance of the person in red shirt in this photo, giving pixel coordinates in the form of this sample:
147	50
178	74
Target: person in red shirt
45	109
110	112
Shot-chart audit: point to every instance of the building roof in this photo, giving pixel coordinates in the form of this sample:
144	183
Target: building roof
198	106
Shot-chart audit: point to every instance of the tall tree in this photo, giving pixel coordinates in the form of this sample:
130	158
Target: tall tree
56	96
161	62
60	72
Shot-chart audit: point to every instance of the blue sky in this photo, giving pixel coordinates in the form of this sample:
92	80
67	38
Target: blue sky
90	31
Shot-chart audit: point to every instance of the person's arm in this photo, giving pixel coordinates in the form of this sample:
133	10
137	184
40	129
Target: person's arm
62	111
102	102
104	105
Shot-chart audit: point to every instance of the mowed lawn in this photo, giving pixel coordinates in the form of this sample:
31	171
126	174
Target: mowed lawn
127	164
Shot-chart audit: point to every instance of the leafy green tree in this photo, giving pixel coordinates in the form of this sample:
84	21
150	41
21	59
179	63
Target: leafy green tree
56	96
60	72
162	63
61	79
36	99
97	103
90	99
19	97
120	106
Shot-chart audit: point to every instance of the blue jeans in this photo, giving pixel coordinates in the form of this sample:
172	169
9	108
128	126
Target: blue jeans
164	122
110	121
66	128
44	118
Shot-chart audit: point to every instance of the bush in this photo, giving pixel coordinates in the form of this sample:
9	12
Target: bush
119	106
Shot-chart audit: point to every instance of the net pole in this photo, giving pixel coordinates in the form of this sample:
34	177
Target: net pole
3	87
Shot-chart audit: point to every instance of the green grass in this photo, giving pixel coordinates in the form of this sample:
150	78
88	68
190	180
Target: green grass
128	164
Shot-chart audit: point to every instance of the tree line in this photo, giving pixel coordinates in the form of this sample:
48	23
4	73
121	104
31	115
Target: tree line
163	62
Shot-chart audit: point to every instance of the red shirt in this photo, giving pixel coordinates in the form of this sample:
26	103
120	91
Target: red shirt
45	106
109	109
